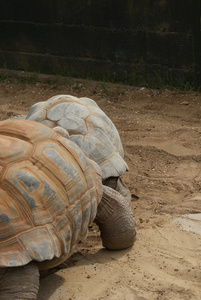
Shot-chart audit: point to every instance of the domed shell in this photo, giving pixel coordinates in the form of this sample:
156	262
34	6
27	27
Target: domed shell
88	127
49	192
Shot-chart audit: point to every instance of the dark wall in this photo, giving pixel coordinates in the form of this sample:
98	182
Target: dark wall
122	40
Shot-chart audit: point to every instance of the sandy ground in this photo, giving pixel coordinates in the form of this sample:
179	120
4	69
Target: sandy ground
161	135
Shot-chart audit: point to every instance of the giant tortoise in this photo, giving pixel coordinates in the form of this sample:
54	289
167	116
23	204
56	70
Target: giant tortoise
49	194
91	129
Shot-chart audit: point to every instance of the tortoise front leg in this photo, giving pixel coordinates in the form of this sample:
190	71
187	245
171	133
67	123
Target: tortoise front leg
115	220
19	283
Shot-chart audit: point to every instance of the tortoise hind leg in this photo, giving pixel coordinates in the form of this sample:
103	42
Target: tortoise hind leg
19	283
115	220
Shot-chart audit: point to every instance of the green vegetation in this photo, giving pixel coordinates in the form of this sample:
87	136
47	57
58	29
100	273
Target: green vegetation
103	88
4	79
138	79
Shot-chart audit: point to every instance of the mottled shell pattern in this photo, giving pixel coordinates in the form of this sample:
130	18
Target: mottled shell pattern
88	127
49	192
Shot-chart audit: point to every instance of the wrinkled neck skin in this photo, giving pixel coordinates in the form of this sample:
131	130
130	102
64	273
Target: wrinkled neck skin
115	220
117	184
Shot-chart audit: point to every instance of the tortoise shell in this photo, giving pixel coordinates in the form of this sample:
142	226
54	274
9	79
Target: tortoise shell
88	127
49	192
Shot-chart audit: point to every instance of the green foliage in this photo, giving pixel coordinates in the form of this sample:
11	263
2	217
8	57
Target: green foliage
103	88
4	79
138	79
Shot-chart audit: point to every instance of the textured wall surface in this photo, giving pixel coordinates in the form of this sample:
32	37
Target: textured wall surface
124	40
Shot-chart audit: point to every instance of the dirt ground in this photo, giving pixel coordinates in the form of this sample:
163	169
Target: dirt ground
161	136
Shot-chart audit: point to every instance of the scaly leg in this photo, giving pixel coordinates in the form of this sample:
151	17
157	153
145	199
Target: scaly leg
19	283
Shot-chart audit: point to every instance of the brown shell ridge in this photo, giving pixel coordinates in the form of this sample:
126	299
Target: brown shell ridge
21	255
21	207
23	129
84	177
47	171
13	135
55	254
70	151
53	221
89	190
75	155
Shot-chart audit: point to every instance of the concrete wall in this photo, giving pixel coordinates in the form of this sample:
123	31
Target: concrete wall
119	40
